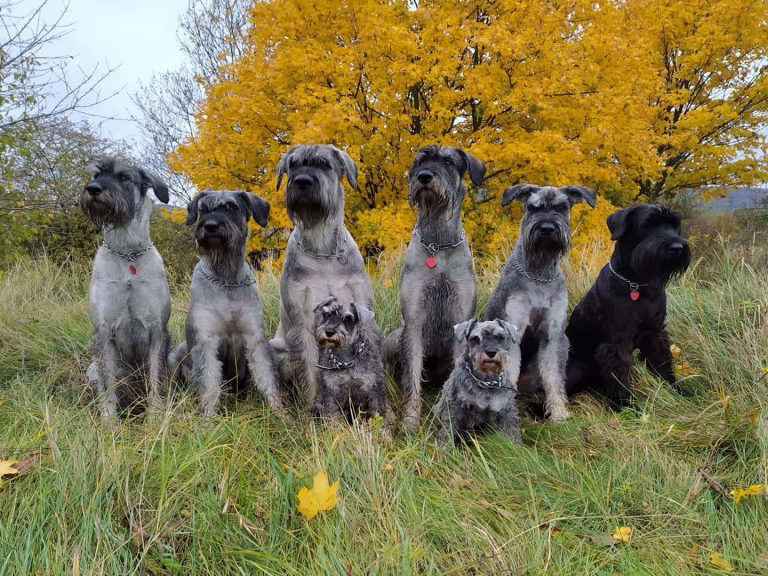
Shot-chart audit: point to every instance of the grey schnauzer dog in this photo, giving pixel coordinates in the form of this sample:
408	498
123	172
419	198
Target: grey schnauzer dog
128	300
481	391
351	377
437	288
321	258
532	294
225	339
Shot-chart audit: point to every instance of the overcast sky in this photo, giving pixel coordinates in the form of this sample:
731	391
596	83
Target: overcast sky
138	37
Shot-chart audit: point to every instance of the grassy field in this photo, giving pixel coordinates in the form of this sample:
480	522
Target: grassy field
184	496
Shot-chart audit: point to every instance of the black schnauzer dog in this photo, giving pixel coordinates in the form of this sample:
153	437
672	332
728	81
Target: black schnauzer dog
626	307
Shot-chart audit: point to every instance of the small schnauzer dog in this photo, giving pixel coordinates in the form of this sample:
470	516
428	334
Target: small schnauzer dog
437	288
128	300
351	377
626	307
225	339
480	392
532	293
321	258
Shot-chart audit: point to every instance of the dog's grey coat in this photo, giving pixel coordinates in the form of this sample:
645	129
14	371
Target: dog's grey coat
537	303
321	258
225	339
129	312
433	300
468	406
347	335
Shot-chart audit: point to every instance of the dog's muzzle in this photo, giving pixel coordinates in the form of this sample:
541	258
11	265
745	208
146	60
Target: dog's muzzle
489	362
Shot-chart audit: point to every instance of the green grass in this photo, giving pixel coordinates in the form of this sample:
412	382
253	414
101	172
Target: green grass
184	496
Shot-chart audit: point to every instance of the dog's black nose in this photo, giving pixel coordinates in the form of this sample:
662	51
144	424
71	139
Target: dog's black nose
303	181
211	226
676	247
94	188
547	228
330	333
490	353
425	176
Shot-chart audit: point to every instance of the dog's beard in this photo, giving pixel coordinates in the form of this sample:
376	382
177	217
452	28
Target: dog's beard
541	250
309	207
336	342
489	367
431	199
652	262
224	248
108	208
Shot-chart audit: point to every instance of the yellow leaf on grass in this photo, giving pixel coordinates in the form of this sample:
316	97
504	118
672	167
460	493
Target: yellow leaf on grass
7	468
719	562
753	490
622	533
675	351
321	496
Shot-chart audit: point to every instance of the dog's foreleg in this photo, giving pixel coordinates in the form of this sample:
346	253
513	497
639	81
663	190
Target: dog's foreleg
614	360
551	360
263	374
309	357
157	369
207	369
654	350
106	367
443	419
509	424
413	363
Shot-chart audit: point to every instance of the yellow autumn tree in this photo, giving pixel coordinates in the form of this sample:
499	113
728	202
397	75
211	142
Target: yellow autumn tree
545	92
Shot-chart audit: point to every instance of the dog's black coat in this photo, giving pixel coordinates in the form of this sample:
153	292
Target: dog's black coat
607	326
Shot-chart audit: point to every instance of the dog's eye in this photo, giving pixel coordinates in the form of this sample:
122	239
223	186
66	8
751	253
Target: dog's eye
231	207
448	162
474	339
123	177
348	319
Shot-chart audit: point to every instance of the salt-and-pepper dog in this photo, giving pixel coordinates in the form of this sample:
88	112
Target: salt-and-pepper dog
437	285
480	393
351	375
626	308
225	339
532	294
128	300
321	258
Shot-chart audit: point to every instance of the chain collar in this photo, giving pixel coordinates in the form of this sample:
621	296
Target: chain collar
130	256
341	255
633	286
533	278
211	278
498	383
433	248
338	364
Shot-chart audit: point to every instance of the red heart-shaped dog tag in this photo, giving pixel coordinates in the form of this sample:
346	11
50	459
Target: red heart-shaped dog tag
431	261
132	268
634	295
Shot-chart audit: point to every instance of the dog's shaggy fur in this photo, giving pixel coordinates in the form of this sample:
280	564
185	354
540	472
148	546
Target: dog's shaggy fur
479	393
351	374
608	324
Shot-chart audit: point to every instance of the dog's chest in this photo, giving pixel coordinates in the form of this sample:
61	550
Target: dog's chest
483	404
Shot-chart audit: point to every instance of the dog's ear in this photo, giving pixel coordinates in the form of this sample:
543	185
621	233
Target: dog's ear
324	303
475	168
363	313
461	331
257	207
519	192
578	194
618	222
510	329
282	165
149	180
192	208
348	166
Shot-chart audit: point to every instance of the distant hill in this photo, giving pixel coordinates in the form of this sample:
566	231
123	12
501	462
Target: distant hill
738	199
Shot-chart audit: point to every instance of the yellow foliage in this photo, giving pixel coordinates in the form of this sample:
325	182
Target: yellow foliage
754	490
719	562
549	93
622	533
321	496
7	468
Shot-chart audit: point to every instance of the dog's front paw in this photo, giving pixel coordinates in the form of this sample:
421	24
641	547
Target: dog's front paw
411	422
558	414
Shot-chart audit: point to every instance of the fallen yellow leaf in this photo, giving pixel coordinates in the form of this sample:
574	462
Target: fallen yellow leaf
7	468
675	350
753	490
622	533
719	562
321	496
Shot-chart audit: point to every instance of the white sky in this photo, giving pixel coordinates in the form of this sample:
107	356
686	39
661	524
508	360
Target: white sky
137	37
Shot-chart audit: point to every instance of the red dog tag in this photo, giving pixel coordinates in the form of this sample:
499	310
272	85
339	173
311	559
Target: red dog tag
634	295
431	261
132	268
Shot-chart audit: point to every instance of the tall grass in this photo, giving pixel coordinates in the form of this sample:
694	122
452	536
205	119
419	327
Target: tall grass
184	496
